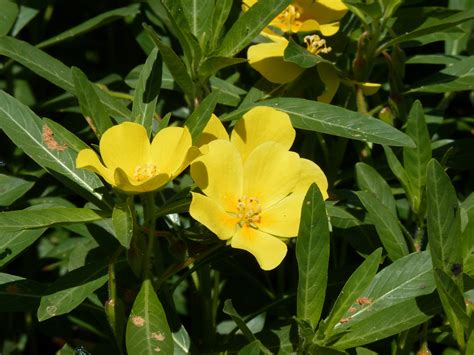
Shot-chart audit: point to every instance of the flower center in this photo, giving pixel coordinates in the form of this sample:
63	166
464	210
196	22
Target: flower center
316	45
248	211
289	18
144	172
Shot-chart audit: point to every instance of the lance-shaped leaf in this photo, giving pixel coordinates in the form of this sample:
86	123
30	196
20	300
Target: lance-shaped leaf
198	13
249	25
91	107
7	18
148	331
416	159
91	24
12	221
353	288
147	90
453	304
320	117
18	294
122	220
294	53
13	243
201	115
312	254
405	279
386	224
444	223
174	63
219	16
71	290
368	179
13	187
46	148
54	71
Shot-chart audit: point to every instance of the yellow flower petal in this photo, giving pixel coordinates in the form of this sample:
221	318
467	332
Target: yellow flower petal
259	125
170	148
219	174
311	173
208	212
213	130
283	218
267	59
331	81
369	88
270	173
124	183
268	250
125	145
323	11
88	159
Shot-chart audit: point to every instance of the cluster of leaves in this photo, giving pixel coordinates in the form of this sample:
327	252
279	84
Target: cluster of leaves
385	266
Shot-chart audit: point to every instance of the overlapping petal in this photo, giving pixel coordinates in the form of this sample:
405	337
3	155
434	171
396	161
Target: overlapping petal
213	130
219	173
267	59
268	250
271	173
125	182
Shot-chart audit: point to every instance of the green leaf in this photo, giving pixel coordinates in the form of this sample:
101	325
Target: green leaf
122	220
393	320
253	348
386	224
213	64
7	16
198	13
397	168
147	90
416	159
433	25
12	188
229	94
13	243
453	303
201	115
312	255
405	279
91	24
41	143
18	294
147	328
455	77
12	221
368	179
353	288
249	25
221	12
444	223
297	54
232	312
174	63
433	59
320	117
54	71
182	342
70	290
91	107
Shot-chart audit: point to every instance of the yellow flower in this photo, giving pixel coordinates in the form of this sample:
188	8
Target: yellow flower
308	16
259	125
252	203
131	164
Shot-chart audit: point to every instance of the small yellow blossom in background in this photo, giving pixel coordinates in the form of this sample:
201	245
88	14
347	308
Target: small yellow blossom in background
301	16
131	164
253	186
308	16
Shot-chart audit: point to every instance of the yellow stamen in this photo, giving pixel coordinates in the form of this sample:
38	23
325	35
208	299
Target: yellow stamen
289	18
144	172
316	45
248	211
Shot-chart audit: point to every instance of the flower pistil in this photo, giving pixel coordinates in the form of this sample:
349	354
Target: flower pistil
289	18
316	45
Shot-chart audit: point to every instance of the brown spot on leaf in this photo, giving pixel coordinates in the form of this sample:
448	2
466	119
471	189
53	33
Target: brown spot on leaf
158	336
157	349
138	321
352	310
363	301
50	141
345	320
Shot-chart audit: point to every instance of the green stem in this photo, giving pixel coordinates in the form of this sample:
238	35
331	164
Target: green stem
149	213
112	302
